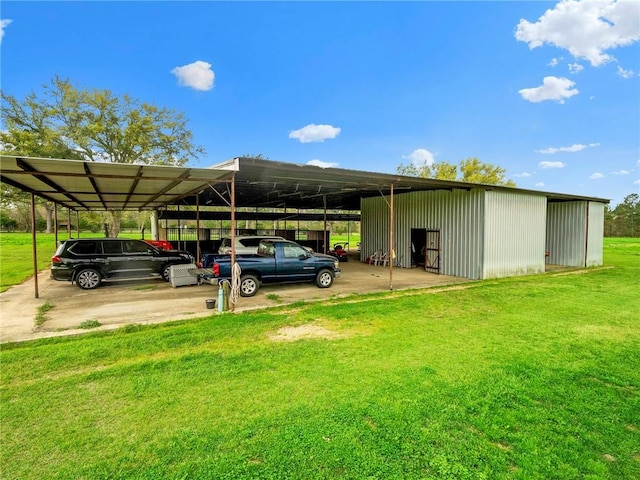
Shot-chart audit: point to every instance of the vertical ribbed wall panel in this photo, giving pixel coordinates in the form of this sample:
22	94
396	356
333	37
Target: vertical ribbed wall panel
566	233
457	214
596	234
514	234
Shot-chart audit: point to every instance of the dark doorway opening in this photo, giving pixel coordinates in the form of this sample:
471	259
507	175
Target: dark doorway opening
418	246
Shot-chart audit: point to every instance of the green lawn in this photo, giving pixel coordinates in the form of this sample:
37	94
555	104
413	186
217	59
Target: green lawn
524	378
16	256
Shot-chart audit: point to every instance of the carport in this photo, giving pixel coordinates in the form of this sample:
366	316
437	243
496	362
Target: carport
293	191
241	182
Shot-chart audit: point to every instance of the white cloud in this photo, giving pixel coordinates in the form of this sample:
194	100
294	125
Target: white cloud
553	62
575	68
421	156
552	88
540	184
576	147
3	24
551	165
596	176
625	73
321	164
522	175
587	29
315	133
637	182
621	172
197	75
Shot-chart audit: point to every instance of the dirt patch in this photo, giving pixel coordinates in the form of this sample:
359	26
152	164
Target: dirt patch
580	272
292	334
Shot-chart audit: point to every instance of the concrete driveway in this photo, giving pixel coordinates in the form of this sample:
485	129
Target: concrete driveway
147	301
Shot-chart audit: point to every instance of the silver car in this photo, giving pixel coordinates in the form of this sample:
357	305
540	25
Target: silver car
244	244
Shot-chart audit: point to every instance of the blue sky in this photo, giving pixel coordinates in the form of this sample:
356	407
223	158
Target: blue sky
548	90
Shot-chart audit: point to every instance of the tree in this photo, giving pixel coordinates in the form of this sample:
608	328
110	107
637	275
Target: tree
470	170
95	125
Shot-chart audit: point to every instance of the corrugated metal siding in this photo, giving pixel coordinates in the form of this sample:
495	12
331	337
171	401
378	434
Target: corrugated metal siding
595	234
566	233
514	234
457	214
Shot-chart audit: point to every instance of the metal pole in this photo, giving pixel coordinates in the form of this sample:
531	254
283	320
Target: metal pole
68	223
197	227
78	223
586	234
55	222
179	248
391	251
233	230
33	245
324	231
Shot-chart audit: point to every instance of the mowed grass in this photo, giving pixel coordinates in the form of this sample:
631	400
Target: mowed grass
16	256
525	378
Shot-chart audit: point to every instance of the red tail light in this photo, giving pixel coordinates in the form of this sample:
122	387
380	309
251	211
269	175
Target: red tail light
216	269
56	259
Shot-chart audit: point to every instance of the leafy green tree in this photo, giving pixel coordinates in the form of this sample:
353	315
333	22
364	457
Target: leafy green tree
95	125
470	170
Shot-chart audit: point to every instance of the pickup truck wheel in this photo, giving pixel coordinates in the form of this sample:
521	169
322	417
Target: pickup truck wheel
88	279
249	285
324	279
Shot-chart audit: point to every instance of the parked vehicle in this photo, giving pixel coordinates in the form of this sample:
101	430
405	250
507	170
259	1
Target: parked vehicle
338	251
279	261
244	244
88	262
161	244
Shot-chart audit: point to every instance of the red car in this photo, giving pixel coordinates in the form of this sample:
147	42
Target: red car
161	244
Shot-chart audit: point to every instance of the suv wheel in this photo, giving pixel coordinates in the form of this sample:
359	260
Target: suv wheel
88	279
166	273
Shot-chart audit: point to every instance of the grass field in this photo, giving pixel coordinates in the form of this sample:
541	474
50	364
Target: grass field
524	378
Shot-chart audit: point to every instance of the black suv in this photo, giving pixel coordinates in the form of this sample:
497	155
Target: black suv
88	261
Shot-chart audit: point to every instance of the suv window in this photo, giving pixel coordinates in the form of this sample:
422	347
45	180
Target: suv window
251	242
85	248
112	246
135	246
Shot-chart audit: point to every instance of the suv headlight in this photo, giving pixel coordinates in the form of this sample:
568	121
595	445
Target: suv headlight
336	265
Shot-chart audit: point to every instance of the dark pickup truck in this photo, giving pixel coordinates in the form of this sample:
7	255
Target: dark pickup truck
277	261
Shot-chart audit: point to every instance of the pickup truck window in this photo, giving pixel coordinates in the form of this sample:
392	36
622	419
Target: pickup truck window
293	251
267	250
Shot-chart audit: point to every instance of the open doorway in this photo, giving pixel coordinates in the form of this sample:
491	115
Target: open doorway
418	246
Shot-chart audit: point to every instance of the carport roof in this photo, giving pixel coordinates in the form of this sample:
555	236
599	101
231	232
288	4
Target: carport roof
82	185
267	183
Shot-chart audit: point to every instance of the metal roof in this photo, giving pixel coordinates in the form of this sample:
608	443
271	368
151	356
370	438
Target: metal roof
83	185
267	183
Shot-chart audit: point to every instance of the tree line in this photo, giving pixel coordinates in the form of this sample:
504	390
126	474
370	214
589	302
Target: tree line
624	219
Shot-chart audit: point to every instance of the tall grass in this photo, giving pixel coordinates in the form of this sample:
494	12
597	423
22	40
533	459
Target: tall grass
530	377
